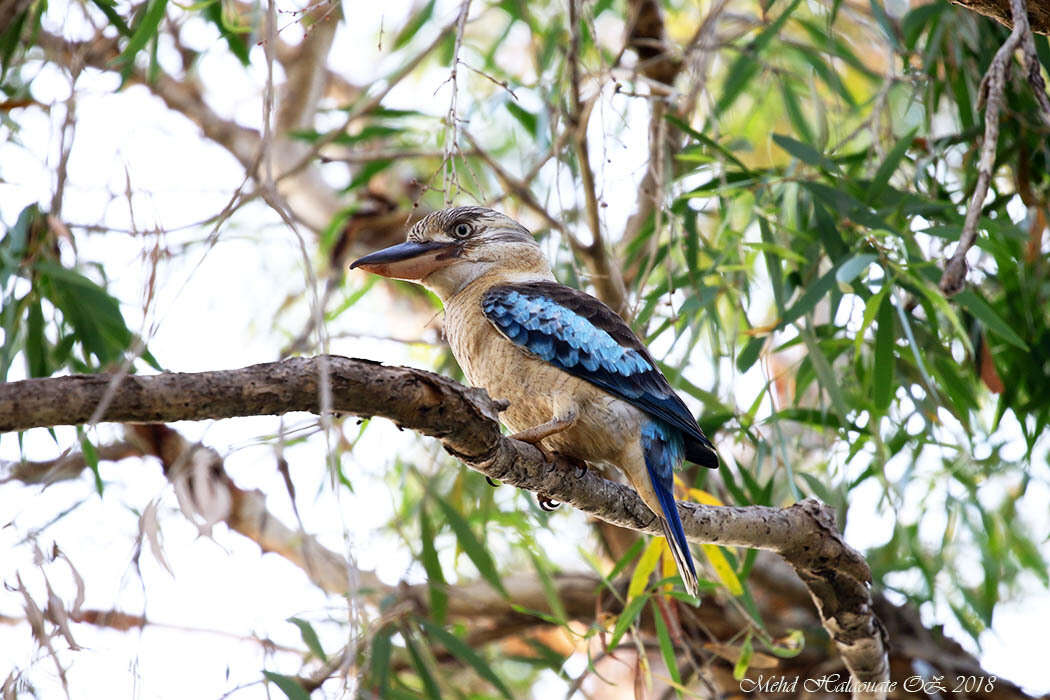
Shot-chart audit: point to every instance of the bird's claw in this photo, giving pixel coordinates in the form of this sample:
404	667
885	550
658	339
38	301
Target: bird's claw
581	467
547	504
549	456
492	482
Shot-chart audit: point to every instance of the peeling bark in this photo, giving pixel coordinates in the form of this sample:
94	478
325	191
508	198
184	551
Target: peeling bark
465	420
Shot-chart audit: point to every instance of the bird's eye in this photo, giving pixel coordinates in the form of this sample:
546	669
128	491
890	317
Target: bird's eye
461	231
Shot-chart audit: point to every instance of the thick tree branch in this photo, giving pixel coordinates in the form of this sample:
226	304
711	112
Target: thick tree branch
999	10
464	419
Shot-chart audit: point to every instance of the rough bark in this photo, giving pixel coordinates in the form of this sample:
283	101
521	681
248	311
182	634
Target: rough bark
465	420
999	10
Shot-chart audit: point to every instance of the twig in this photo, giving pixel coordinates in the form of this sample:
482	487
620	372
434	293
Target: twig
991	94
65	143
358	157
448	162
520	189
491	78
367	107
608	281
66	466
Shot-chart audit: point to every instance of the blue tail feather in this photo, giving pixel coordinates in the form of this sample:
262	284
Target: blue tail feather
663	449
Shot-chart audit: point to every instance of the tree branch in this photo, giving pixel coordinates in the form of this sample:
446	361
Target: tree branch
313	200
991	94
999	10
464	419
66	466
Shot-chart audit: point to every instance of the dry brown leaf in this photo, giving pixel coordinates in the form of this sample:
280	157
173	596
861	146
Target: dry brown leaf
150	528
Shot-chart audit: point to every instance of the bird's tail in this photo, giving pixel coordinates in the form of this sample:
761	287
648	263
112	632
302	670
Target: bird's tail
663	449
679	546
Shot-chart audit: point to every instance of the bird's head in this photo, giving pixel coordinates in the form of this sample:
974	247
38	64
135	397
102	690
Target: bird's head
449	249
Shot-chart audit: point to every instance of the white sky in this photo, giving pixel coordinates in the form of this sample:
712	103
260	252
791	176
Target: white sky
220	315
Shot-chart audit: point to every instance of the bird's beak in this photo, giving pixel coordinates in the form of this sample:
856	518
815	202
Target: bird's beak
408	261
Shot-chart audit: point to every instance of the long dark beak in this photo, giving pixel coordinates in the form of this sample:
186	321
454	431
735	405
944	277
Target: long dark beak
410	260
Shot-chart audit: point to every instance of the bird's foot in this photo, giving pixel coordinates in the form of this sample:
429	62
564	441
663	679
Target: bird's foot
492	482
547	504
549	455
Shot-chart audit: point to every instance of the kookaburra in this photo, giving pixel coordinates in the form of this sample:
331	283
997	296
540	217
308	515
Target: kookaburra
579	382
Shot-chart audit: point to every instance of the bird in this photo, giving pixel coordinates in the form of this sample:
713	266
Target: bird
578	381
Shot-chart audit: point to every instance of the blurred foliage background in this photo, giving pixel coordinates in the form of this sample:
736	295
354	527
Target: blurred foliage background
768	191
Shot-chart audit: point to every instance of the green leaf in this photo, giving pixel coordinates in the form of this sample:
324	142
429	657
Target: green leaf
144	31
13	243
458	648
828	74
969	619
94	315
36	344
470	544
773	266
993	321
666	644
744	660
888	28
884	341
814	293
288	685
805	153
829	380
626	619
706	141
816	486
90	457
889	166
366	173
430	684
11	37
310	638
744	68
435	576
816	418
526	118
850	269
550	590
746	65
871	307
630	555
790	646
380	662
913	23
415	23
749	354
107	8
236	38
793	109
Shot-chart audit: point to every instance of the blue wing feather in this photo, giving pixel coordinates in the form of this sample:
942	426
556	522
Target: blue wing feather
578	334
